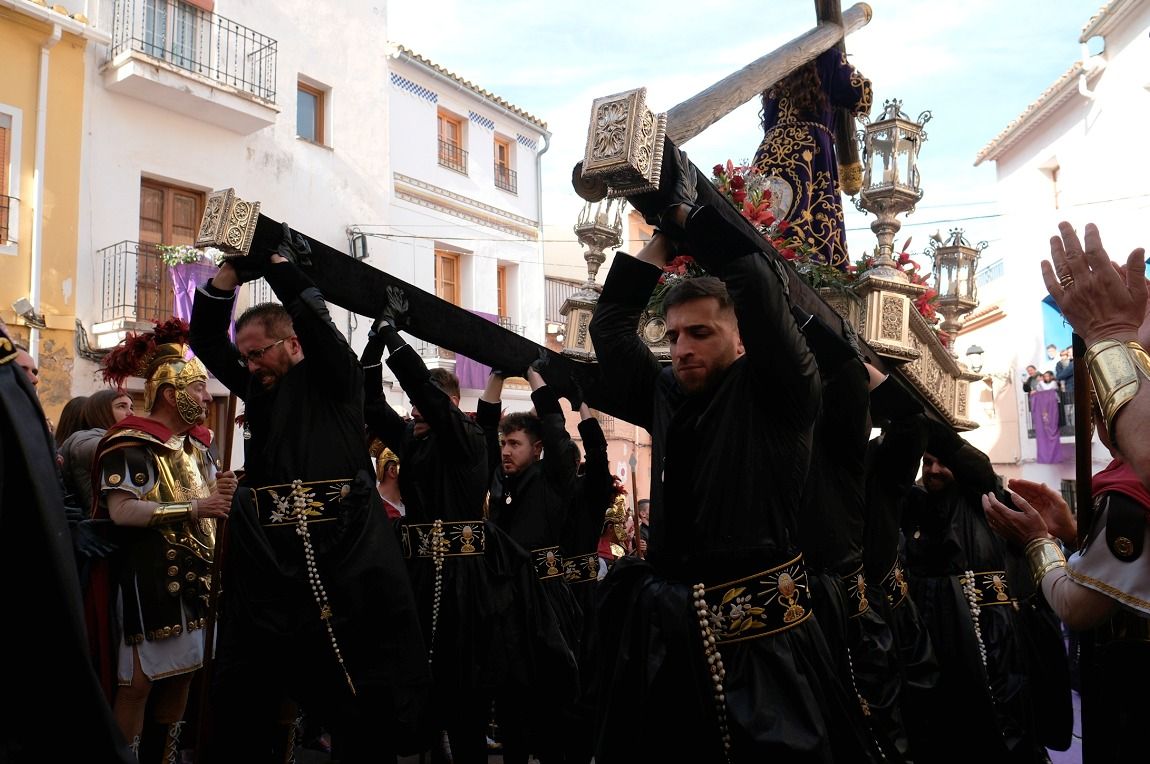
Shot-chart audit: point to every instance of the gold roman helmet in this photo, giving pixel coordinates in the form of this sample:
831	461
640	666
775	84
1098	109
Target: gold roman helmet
617	514
171	365
162	358
386	456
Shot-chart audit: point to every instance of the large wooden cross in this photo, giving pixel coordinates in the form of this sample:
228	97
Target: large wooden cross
236	227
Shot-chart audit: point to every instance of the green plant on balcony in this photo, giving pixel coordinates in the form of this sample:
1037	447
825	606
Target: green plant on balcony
182	254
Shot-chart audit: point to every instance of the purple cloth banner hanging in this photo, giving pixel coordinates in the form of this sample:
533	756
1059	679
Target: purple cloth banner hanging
472	374
1044	416
186	278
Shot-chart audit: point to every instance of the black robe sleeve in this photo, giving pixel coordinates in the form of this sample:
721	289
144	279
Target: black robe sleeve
208	336
434	405
775	348
562	454
487	416
627	363
331	361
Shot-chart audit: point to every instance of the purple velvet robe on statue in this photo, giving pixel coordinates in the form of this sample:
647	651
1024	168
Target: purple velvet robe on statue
1044	416
798	159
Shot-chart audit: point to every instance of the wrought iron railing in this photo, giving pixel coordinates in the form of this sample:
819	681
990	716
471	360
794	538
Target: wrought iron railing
135	284
200	42
506	178
452	156
1066	429
508	323
429	351
7	208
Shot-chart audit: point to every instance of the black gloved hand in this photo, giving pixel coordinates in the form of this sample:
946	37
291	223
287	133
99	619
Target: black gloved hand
575	395
294	247
89	537
394	311
676	186
541	363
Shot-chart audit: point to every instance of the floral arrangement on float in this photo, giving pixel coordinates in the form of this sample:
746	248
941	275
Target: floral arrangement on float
748	190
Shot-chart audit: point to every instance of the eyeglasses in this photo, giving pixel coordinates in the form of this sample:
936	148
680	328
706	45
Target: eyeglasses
258	353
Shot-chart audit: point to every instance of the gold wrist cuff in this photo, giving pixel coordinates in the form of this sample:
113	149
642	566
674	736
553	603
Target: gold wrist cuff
171	513
1044	555
1114	368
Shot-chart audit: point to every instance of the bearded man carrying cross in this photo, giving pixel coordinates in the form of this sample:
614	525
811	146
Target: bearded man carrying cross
713	636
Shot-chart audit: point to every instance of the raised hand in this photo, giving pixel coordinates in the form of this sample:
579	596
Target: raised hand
1099	300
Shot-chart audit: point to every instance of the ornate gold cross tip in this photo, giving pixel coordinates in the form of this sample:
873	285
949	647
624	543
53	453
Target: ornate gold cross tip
625	143
229	223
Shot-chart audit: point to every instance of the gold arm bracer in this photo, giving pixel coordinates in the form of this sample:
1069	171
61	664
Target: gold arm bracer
1043	555
173	512
1114	370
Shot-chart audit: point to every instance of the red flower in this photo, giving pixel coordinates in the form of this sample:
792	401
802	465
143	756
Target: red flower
717	170
738	182
788	253
784	226
738	195
903	258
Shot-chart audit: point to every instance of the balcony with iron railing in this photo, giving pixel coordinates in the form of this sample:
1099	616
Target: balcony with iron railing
452	157
509	324
506	178
137	287
197	63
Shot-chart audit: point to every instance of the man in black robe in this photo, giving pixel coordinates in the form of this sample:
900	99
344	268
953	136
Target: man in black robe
595	490
977	606
892	462
316	604
531	498
463	590
832	526
46	720
711	638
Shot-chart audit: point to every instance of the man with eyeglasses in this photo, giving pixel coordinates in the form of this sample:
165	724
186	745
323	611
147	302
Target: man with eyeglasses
317	606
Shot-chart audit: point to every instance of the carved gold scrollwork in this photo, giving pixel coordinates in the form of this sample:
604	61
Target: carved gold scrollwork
892	315
229	223
610	130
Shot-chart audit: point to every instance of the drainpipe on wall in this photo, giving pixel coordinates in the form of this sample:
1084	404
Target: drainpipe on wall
38	186
1090	66
539	192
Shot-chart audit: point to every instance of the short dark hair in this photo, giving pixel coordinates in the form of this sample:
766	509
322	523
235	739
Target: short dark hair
445	381
698	288
521	420
272	316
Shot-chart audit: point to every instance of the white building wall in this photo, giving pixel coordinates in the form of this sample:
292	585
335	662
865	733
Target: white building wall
1092	140
462	213
318	189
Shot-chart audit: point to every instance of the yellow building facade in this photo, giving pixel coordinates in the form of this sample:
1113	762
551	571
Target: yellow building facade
41	129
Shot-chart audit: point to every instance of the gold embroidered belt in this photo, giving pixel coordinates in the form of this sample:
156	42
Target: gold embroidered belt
855	585
285	505
761	604
992	588
460	538
548	562
581	568
895	585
